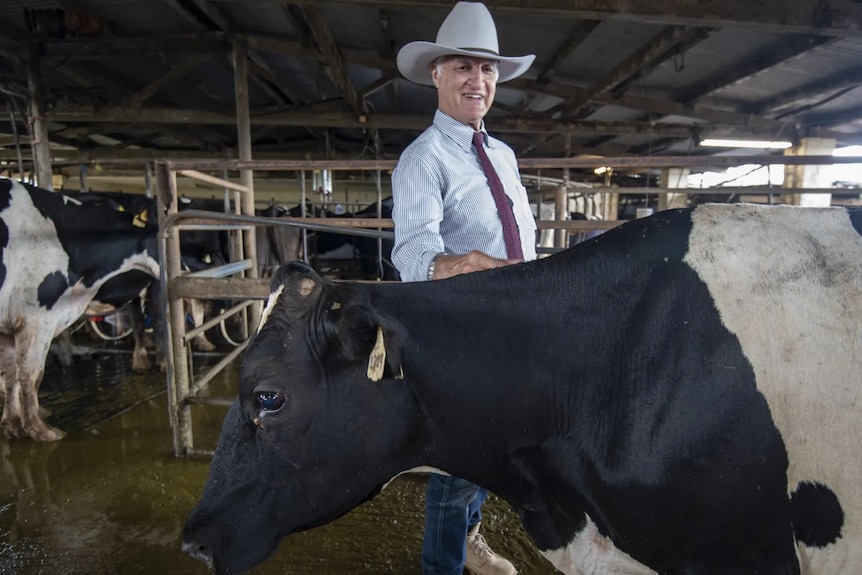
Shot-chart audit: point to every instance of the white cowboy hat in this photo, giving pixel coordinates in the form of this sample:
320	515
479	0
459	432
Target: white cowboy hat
468	30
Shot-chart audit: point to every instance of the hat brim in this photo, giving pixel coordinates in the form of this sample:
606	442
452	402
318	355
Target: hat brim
415	58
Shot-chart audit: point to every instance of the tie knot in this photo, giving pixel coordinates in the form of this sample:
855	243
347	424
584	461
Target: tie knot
478	139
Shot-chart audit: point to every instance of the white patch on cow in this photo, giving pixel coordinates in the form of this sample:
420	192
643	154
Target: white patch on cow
32	253
270	304
342	252
415	470
787	282
306	287
591	553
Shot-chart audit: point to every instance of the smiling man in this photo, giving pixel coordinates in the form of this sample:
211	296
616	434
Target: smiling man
459	207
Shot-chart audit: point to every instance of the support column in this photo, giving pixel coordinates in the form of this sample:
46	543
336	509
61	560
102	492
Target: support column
561	213
39	125
673	178
610	201
809	176
243	121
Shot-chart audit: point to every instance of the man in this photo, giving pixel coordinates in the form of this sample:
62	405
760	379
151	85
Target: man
454	216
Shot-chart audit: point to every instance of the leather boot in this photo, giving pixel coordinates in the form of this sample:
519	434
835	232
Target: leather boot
481	560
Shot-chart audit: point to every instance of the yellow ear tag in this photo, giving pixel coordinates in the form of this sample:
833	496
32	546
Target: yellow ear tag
377	359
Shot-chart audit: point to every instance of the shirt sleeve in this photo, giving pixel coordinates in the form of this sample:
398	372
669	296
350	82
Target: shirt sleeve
417	211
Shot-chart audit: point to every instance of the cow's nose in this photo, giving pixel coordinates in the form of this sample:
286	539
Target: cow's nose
199	552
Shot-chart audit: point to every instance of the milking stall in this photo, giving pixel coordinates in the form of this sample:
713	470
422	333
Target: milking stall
161	159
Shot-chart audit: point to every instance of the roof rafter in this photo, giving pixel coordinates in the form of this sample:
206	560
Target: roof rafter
819	88
580	33
336	65
739	71
842	18
166	79
654	49
66	113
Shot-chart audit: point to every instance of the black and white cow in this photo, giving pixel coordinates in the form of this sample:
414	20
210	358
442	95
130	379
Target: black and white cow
59	260
680	395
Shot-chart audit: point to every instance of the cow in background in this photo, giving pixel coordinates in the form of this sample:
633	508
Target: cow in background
57	258
374	258
200	249
276	244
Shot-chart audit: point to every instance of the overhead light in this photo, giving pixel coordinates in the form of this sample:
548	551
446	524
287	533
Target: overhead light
764	144
601	170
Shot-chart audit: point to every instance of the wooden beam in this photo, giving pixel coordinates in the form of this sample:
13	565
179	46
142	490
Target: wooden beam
258	68
654	48
738	71
418	122
165	80
580	33
691	37
379	84
841	18
815	89
336	65
647	105
833	119
90	48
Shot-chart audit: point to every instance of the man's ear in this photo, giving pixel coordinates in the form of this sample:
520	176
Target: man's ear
435	77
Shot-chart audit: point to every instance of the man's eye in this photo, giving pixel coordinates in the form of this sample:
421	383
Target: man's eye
269	401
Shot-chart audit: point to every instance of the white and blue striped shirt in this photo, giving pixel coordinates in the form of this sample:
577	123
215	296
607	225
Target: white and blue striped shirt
442	201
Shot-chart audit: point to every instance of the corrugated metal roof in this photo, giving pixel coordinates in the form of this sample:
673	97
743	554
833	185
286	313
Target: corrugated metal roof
638	112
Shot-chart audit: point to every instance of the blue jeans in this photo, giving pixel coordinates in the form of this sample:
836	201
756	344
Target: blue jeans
452	506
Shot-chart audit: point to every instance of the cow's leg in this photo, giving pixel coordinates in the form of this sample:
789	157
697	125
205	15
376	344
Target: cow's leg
64	348
201	342
21	418
7	364
140	359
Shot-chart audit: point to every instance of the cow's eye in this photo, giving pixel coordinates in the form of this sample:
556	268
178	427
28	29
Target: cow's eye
270	401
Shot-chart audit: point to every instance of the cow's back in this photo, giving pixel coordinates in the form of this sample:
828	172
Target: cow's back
795	303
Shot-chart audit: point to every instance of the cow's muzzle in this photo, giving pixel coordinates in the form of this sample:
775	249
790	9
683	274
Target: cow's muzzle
199	552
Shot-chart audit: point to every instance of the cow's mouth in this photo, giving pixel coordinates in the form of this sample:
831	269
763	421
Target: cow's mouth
199	553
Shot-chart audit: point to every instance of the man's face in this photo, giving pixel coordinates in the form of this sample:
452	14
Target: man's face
465	87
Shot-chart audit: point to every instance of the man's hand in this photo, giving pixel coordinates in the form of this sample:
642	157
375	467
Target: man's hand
447	266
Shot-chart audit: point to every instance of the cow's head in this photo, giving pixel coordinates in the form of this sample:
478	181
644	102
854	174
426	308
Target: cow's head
315	428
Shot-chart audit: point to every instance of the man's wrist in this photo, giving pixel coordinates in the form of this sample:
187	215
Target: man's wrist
432	266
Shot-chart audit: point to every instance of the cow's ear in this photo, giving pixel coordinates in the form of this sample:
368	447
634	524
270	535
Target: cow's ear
365	335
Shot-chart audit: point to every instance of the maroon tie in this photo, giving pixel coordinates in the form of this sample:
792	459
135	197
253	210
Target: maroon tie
504	208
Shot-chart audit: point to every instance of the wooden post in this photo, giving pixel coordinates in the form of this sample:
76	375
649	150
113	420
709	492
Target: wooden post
561	210
673	178
810	176
243	121
40	143
148	179
176	353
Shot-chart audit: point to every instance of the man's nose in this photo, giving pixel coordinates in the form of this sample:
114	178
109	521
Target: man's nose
476	76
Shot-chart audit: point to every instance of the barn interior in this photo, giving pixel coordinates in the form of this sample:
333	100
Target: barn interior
612	121
114	86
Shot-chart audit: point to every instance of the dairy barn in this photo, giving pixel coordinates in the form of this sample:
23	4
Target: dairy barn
687	329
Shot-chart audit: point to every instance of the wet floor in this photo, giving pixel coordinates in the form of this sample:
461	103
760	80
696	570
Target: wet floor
110	498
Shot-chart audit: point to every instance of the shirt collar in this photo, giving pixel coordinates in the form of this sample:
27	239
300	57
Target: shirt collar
458	132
